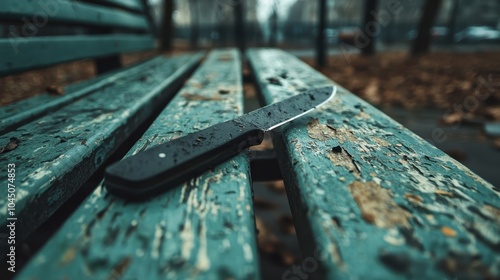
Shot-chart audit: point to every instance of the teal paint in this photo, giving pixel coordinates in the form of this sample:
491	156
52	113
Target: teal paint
204	228
430	192
58	152
135	5
72	12
38	52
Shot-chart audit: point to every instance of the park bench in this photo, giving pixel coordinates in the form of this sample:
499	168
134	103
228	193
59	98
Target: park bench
369	198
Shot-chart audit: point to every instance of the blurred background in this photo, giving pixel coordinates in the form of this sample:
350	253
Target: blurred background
432	65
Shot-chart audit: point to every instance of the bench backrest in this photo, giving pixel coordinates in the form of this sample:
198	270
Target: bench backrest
99	29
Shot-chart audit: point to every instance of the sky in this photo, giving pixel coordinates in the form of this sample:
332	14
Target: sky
265	8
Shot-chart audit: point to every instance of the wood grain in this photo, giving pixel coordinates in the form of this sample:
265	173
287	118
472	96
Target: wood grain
204	228
58	152
375	209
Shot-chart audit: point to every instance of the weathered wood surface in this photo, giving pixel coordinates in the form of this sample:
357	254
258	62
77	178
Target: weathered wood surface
39	13
57	153
204	228
370	199
24	111
25	54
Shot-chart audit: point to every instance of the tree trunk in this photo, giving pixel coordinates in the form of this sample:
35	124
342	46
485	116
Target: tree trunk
452	22
273	36
422	43
368	24
167	26
320	39
193	39
239	25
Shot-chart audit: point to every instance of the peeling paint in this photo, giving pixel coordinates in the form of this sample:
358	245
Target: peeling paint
342	158
377	206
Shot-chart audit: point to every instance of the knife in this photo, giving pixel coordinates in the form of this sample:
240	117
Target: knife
165	166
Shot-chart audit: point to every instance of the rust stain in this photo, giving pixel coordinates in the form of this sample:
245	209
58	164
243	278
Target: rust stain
195	97
342	158
443	193
448	231
68	256
377	206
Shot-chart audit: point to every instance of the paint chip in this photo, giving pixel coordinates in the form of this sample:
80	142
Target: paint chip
377	206
197	97
320	131
363	115
448	231
13	143
344	159
443	193
68	256
323	132
413	198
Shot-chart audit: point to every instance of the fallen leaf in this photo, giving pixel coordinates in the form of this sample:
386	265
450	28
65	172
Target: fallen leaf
286	224
451	119
262	203
55	90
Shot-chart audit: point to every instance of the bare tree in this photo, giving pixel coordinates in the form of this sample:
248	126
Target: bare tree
273	21
193	10
239	25
452	21
167	26
368	23
422	42
321	54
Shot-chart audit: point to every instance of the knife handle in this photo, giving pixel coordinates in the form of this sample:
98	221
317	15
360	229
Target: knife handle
167	165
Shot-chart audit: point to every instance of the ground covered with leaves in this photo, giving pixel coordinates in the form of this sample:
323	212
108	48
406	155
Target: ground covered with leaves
463	85
53	79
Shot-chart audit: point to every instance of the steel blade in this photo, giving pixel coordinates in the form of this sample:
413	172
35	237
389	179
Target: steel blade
276	114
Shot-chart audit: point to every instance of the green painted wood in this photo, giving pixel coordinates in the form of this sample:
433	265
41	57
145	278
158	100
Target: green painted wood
57	153
135	5
38	13
39	52
19	113
370	199
202	229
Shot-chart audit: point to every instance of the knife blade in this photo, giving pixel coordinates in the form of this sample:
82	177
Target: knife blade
165	166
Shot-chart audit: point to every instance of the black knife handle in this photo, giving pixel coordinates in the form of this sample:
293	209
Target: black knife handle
167	165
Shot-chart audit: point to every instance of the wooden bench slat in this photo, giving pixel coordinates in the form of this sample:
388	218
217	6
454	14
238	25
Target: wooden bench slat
57	153
369	198
128	4
204	228
39	52
20	113
41	12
